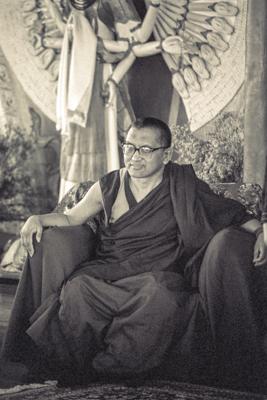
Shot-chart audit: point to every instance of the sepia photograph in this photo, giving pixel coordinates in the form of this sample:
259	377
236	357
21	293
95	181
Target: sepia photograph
133	199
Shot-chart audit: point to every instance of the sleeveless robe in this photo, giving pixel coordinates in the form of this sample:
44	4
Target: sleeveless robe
145	238
133	278
148	313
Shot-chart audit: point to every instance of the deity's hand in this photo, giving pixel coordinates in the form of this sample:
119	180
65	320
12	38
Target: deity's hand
32	226
179	84
260	251
109	92
49	4
172	45
55	14
155	3
52	42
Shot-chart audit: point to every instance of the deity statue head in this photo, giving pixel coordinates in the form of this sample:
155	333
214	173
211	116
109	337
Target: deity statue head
82	5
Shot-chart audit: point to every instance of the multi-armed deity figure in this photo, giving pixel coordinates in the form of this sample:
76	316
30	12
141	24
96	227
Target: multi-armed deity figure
97	36
86	47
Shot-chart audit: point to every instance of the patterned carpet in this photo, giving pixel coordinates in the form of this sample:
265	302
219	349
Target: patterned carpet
160	390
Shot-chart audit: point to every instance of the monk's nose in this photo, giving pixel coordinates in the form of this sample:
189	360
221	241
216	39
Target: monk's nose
136	155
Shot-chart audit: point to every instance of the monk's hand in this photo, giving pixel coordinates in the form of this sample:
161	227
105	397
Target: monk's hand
260	252
31	227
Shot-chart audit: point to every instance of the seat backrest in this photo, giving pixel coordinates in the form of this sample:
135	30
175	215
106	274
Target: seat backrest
248	194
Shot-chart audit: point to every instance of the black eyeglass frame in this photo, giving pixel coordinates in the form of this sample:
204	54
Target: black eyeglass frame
151	149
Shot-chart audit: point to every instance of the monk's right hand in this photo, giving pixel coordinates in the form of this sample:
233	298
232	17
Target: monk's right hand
32	226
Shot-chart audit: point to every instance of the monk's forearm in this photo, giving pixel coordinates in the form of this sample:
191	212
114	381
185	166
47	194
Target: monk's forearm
252	226
57	219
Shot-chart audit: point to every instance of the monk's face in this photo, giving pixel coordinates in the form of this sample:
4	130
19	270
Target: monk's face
144	165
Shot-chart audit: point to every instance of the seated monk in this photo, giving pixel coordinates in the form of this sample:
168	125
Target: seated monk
173	273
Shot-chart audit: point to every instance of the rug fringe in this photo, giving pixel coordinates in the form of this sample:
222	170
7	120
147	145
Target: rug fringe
21	388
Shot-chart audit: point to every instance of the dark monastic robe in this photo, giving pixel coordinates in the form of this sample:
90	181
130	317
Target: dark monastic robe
199	214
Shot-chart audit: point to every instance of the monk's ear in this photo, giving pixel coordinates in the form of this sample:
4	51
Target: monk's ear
167	155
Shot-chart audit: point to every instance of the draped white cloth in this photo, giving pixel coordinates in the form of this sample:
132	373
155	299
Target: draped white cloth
76	72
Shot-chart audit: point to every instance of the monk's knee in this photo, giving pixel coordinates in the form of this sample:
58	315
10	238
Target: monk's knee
221	241
50	239
35	263
46	244
231	242
230	250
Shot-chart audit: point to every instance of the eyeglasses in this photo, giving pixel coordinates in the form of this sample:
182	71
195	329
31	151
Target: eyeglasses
144	151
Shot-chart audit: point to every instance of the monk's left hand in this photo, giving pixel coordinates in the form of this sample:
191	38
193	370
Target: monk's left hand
260	252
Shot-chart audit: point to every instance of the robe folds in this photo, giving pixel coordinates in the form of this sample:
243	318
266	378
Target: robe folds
164	287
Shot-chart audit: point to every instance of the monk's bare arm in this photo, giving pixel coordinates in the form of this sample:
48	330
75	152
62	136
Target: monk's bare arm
89	206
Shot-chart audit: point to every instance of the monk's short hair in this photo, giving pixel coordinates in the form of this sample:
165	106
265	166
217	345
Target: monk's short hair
155	124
